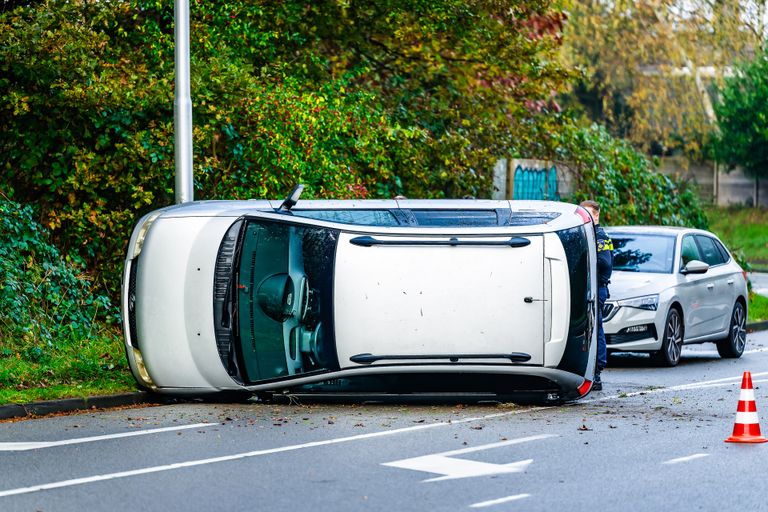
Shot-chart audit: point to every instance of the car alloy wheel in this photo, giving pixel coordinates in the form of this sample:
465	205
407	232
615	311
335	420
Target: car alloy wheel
732	346
672	344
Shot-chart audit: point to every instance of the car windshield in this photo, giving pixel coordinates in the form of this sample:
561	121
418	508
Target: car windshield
643	252
284	300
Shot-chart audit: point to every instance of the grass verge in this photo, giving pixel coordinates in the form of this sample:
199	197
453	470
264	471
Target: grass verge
758	308
73	369
744	230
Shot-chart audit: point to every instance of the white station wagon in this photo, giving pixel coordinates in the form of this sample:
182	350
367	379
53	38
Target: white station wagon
257	297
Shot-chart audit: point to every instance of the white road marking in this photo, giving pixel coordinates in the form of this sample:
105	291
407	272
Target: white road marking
686	459
500	500
728	381
450	468
36	445
237	456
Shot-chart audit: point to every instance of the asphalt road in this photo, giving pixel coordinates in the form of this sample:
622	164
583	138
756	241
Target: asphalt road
652	440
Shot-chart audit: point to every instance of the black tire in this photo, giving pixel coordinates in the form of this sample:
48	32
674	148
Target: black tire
672	340
732	346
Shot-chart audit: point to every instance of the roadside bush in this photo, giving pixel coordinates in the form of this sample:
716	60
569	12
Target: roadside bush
623	180
47	301
352	102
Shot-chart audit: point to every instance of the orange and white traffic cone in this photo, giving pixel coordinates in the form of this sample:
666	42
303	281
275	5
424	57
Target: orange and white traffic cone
747	427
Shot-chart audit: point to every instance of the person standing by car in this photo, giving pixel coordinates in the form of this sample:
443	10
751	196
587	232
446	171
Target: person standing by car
604	269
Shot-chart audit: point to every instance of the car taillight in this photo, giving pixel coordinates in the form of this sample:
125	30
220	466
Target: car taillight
584	214
744	273
585	387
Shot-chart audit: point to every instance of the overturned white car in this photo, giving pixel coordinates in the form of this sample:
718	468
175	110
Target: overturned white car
363	295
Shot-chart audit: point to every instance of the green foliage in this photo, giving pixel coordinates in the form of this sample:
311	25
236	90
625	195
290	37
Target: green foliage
356	99
650	67
744	231
621	179
758	308
45	297
742	112
53	328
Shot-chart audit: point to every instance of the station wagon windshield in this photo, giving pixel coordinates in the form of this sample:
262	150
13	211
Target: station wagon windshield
643	253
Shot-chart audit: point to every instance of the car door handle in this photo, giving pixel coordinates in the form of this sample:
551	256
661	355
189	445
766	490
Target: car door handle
710	286
730	281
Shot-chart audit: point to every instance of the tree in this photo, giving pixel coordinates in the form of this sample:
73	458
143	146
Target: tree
360	98
622	179
742	113
651	66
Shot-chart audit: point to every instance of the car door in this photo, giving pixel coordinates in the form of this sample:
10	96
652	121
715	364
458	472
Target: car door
693	290
720	294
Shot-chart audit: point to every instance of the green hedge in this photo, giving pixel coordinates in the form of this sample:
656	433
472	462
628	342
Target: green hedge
46	298
625	182
55	327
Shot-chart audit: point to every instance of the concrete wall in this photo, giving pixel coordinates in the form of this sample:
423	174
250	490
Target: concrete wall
729	188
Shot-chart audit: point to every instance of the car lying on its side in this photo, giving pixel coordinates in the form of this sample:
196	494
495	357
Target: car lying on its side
674	286
372	295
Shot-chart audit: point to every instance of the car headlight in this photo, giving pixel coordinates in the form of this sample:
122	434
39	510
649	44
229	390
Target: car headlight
649	302
142	234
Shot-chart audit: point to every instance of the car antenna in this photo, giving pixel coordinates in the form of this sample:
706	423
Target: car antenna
292	198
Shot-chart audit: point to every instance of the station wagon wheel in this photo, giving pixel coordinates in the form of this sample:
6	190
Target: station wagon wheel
672	342
732	346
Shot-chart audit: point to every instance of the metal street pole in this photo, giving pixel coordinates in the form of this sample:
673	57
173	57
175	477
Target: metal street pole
182	105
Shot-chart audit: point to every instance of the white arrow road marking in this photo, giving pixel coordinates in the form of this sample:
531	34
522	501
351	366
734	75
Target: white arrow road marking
35	445
450	468
685	459
500	500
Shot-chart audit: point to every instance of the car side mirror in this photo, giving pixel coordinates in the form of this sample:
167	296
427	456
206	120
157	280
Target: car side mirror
695	267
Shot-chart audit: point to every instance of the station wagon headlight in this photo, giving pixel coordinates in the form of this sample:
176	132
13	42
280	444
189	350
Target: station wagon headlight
649	302
142	234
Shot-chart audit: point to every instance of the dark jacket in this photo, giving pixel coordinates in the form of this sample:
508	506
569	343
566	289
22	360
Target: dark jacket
604	257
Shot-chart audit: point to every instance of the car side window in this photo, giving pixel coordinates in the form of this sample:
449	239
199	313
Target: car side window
688	250
709	251
723	251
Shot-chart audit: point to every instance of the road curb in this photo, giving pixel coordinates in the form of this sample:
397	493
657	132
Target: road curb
76	404
757	326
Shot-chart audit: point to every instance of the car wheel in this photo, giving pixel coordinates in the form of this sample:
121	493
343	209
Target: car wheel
672	341
732	346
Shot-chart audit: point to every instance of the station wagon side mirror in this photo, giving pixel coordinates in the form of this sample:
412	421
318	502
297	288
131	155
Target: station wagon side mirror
292	198
694	267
